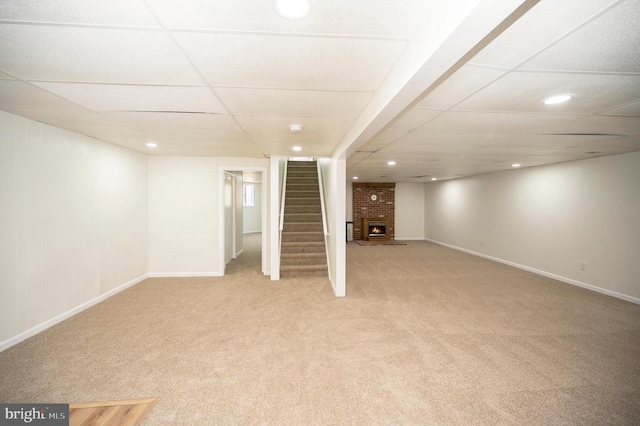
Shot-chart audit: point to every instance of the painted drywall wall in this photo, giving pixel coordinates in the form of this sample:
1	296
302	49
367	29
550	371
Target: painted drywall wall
251	214
275	185
239	215
73	223
409	211
349	201
549	218
186	214
333	186
183	215
229	222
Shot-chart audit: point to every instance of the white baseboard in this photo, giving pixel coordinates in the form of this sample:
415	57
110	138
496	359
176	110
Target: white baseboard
240	252
6	344
408	238
544	273
253	232
183	274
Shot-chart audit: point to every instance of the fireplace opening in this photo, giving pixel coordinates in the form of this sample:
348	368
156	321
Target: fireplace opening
377	229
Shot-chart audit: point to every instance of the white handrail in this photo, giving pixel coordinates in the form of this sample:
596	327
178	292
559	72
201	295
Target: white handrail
324	212
284	190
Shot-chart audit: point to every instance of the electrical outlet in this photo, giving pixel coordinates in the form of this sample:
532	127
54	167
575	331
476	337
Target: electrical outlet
481	243
583	266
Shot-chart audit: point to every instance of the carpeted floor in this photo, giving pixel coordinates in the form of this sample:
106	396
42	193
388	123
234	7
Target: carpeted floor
426	335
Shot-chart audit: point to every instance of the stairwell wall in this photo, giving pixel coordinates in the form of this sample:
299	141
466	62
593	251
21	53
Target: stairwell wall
334	187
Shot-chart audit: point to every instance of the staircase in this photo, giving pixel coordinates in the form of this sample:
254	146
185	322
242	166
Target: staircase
302	248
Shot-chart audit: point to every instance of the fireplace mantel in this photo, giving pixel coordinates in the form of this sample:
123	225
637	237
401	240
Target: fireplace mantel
366	221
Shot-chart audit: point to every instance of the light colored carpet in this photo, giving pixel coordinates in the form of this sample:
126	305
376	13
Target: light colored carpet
426	335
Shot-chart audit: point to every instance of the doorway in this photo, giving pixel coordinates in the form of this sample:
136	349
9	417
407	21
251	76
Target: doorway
244	213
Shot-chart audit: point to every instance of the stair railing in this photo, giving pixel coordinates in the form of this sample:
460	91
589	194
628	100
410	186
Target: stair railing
322	203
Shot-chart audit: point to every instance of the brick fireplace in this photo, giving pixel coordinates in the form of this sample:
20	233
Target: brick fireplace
374	202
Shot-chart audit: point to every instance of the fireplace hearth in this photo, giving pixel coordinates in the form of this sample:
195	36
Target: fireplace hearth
375	228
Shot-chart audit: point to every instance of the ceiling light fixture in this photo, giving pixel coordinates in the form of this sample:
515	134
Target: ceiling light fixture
434	178
297	148
516	165
557	99
355	178
293	9
152	144
295	128
391	163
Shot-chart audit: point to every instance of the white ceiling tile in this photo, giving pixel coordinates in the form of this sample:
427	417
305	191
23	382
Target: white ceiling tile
632	108
363	17
211	122
463	83
197	136
110	97
93	55
112	12
493	122
524	91
543	24
602	45
291	62
600	124
321	145
443	142
62	117
413	118
382	139
4	76
357	157
554	141
291	103
206	149
609	147
19	94
310	125
119	135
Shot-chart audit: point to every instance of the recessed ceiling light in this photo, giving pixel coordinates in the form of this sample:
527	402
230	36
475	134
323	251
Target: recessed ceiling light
152	144
516	165
355	178
391	163
557	99
293	9
295	128
297	148
434	178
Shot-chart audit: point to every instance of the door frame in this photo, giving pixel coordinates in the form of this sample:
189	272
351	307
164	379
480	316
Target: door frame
222	224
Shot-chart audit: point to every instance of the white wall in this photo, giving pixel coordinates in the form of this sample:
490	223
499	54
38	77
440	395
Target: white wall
409	211
334	188
73	223
185	214
252	214
550	219
349	201
275	185
239	215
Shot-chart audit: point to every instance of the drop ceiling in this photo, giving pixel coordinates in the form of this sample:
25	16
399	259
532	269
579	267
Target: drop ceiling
489	114
227	77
